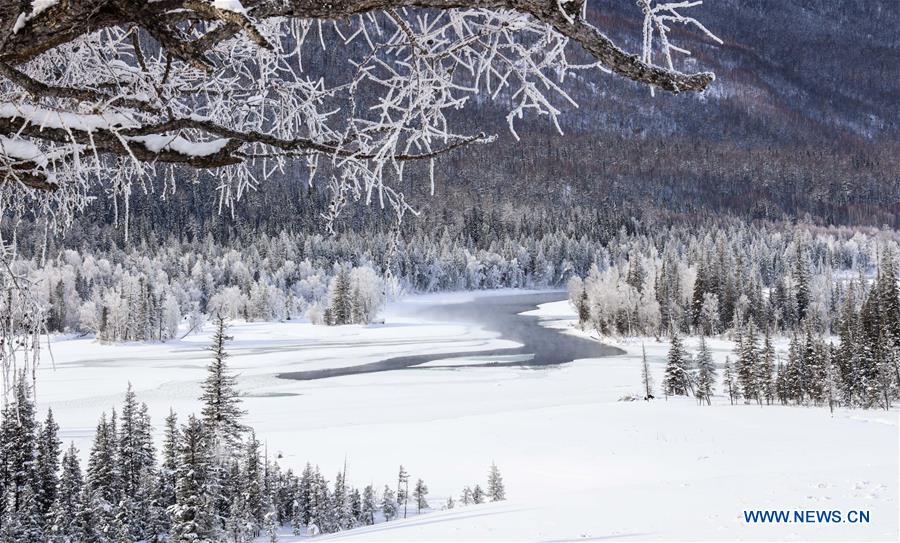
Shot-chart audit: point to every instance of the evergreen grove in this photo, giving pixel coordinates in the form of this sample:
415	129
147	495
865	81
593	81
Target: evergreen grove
209	482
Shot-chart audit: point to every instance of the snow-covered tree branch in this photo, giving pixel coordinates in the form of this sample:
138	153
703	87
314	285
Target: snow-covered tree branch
111	91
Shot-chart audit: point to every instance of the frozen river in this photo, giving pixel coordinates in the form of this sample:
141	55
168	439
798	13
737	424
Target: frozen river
540	346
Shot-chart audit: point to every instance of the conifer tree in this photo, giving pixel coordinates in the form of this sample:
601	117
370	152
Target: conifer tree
766	368
270	525
477	494
253	494
356	508
368	505
192	516
221	401
341	503
169	463
801	283
341	297
102	475
794	373
236	524
17	457
466	497
420	491
67	505
388	504
748	362
496	489
305	494
91	523
28	521
47	464
706	373
676	381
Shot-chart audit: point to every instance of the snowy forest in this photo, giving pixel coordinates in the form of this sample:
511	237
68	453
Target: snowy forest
637	278
256	254
212	480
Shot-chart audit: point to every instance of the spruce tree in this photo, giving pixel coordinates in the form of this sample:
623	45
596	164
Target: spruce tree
102	476
368	505
766	368
167	475
477	494
192	515
63	516
676	381
221	401
47	464
748	362
466	497
341	297
706	373
388	504
496	489
17	436
253	493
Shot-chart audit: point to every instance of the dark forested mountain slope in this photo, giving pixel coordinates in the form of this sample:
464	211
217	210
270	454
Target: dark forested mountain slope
800	123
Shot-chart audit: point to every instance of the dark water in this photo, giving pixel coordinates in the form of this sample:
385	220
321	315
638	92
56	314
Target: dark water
540	345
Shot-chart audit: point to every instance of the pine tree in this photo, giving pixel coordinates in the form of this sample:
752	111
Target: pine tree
496	489
341	297
270	525
221	401
466	497
676	381
253	494
136	466
103	477
305	494
341	503
706	374
91	522
236	524
17	436
388	504
29	520
169	464
477	494
584	308
192	517
47	478
67	505
296	518
368	505
801	284
356	508
420	491
766	367
748	362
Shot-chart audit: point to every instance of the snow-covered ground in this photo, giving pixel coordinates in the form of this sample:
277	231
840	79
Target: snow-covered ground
578	463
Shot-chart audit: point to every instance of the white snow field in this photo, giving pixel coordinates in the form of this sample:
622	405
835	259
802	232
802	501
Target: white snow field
578	464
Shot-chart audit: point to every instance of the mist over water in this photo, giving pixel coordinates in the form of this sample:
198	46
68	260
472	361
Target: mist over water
541	346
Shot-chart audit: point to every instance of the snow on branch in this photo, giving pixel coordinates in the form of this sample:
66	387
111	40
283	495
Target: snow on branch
97	95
